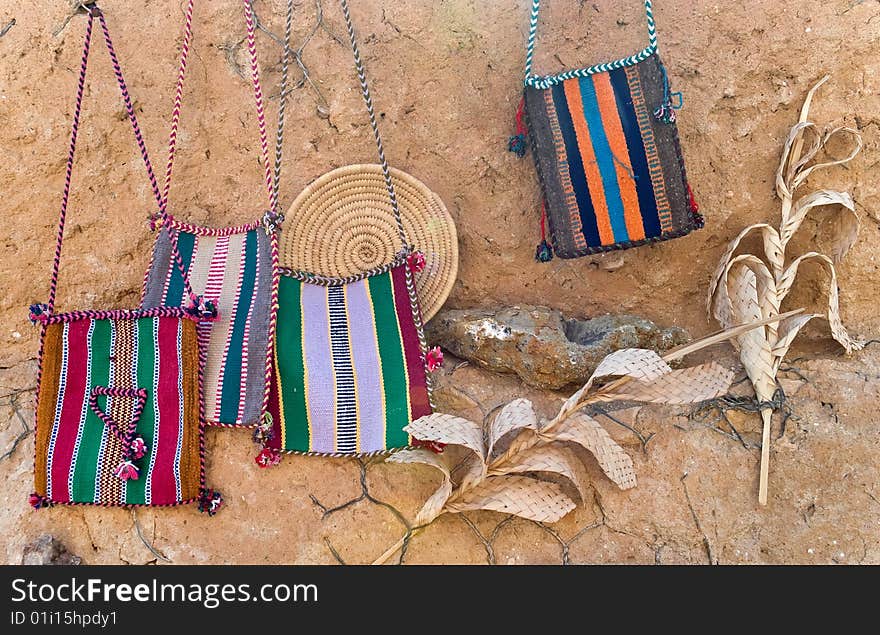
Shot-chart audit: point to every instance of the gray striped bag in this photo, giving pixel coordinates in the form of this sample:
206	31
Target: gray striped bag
235	268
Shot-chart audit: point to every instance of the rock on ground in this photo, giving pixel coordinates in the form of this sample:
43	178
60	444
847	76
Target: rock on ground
539	345
47	550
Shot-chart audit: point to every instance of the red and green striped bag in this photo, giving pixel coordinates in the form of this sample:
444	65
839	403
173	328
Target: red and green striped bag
118	419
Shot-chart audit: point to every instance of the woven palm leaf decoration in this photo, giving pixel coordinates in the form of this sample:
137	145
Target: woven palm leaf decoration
748	286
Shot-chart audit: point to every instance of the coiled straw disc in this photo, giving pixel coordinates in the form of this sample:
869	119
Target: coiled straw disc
342	225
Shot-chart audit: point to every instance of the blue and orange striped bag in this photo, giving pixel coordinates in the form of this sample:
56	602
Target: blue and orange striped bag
607	152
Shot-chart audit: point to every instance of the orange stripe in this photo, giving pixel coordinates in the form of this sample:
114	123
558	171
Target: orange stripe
617	140
591	167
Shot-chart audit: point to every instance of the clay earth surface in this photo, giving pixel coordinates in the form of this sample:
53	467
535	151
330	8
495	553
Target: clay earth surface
446	78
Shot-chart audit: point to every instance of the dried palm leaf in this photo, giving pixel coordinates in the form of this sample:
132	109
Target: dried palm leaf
684	386
431	509
543	458
746	287
516	415
512	482
843	235
449	430
589	433
838	331
529	498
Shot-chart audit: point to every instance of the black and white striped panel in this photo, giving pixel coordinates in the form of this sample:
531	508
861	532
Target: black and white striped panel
346	396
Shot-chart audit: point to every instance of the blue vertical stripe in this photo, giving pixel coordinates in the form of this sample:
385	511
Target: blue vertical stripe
605	159
185	244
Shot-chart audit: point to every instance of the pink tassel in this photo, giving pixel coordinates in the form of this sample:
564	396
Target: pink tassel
434	446
416	261
126	471
268	457
138	448
434	359
38	502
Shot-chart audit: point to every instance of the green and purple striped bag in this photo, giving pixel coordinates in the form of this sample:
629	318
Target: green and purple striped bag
351	364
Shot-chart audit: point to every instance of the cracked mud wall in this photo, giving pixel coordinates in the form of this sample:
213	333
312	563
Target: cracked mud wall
446	78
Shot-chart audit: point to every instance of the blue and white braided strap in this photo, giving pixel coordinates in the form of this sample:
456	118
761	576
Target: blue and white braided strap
546	81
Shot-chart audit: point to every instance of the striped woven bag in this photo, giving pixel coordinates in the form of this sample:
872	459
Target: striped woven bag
233	267
607	152
350	365
118	404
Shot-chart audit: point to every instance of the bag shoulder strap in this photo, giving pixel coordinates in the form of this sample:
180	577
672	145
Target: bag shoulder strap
272	173
538	81
368	100
93	12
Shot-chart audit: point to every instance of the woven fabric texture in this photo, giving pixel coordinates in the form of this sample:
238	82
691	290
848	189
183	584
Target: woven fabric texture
234	272
611	169
107	362
349	369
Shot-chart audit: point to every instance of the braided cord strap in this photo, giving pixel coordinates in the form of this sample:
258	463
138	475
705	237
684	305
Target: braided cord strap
273	218
282	102
261	108
272	173
93	12
546	81
172	147
125	436
365	89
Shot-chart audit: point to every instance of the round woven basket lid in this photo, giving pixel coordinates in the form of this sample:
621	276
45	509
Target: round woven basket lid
342	225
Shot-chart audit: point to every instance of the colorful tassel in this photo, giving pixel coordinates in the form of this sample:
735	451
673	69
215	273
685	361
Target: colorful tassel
203	309
272	221
127	471
517	142
434	446
544	252
696	217
210	501
264	433
138	447
38	502
38	312
665	112
434	359
268	457
416	261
